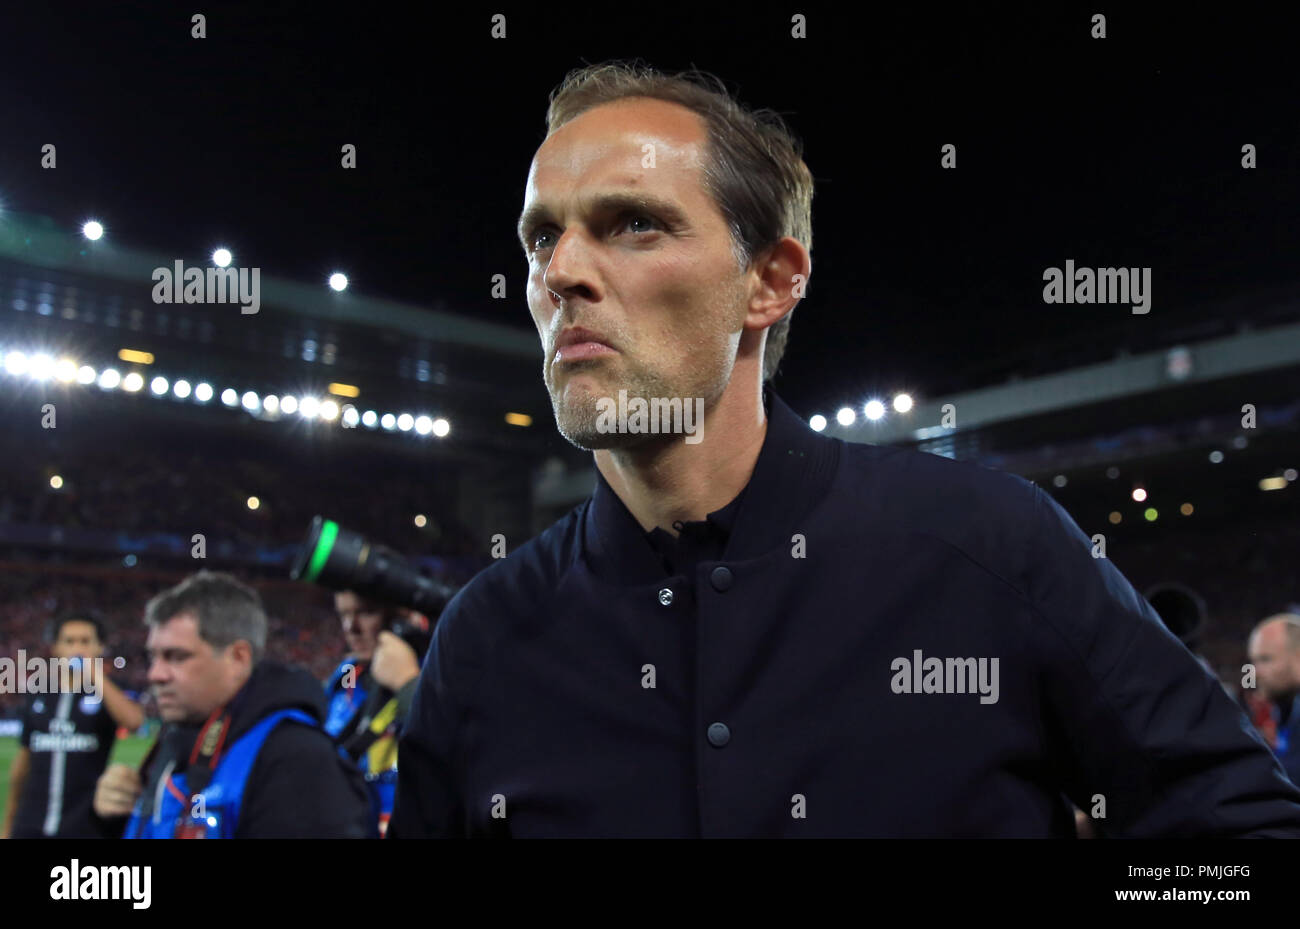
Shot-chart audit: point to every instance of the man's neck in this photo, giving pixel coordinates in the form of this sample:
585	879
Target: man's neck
669	480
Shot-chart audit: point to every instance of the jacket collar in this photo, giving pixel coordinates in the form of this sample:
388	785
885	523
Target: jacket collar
793	472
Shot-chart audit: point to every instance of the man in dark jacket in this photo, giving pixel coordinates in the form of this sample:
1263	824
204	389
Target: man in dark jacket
1274	650
243	753
67	737
751	629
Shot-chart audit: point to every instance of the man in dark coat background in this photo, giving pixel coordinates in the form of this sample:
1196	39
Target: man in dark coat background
751	629
248	728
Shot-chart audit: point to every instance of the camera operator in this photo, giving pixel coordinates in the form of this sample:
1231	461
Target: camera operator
370	692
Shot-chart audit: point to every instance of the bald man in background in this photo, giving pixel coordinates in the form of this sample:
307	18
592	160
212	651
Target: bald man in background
1275	652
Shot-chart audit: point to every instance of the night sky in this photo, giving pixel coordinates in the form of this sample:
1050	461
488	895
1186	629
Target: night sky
1117	152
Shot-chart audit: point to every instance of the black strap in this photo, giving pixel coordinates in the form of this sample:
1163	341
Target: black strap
207	752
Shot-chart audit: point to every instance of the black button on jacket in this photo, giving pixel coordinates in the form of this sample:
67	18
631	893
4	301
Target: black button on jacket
899	645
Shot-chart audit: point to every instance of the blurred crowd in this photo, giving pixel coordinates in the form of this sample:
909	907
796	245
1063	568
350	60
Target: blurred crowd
1244	573
303	627
160	488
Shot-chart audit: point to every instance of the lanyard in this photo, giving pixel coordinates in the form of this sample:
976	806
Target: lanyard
203	760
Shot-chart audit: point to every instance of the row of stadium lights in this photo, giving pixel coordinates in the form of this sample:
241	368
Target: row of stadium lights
221	257
41	367
874	410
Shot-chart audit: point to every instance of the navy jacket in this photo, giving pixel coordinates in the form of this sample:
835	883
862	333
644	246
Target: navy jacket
1287	715
576	689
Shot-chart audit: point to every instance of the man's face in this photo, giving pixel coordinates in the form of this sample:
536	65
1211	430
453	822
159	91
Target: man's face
657	281
77	639
1275	661
362	622
191	679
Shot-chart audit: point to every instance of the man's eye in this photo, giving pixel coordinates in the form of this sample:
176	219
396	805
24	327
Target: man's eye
532	238
632	217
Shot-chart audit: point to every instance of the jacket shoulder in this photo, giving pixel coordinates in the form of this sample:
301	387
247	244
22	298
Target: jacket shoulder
508	594
986	514
528	573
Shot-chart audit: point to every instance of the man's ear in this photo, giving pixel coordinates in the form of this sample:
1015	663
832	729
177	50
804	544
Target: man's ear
783	272
241	650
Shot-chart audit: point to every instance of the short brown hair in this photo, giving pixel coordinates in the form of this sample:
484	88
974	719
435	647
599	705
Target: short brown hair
753	165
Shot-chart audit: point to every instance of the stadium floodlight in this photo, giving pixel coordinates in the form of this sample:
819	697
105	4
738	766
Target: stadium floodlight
56	481
16	363
41	367
1216	456
85	375
181	389
902	403
229	397
309	407
370	419
1290	474
329	410
874	410
289	405
250	401
133	382
66	370
441	427
817	422
350	416
271	403
338	282
423	425
405	422
93	230
203	393
110	378
1139	494
222	257
159	386
388	421
846	416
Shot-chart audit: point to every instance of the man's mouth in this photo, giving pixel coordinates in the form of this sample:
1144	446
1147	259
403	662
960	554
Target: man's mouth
581	351
578	343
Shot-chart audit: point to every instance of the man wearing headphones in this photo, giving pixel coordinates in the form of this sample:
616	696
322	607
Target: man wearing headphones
68	733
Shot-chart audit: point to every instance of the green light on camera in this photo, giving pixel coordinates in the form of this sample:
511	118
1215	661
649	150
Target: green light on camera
329	533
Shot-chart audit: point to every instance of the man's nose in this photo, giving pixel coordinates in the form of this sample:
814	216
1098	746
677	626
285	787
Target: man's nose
158	672
568	273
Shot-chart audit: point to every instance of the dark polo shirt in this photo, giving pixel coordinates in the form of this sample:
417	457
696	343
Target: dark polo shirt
885	643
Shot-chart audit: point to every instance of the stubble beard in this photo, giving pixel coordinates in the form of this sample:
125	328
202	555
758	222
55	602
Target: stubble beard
576	414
